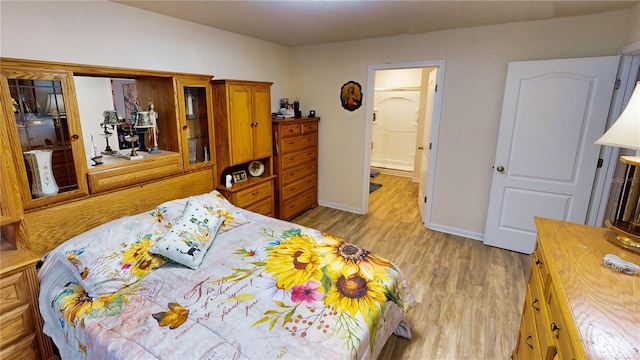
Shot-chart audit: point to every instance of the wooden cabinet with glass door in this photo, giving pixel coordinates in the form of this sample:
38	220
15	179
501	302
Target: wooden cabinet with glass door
196	121
45	135
20	322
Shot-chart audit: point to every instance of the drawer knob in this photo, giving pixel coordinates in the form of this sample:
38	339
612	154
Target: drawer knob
533	305
538	262
527	341
554	327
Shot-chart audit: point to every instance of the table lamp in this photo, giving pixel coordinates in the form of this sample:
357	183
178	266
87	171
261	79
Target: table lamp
55	105
110	119
142	125
625	133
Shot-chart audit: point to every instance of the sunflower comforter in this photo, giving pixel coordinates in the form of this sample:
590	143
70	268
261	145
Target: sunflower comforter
266	289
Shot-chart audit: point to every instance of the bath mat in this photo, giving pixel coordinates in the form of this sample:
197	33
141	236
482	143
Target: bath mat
373	187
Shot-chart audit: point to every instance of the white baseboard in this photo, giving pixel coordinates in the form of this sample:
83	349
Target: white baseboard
341	207
456	231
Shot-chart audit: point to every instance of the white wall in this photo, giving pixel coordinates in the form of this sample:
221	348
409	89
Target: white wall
476	65
111	34
93	99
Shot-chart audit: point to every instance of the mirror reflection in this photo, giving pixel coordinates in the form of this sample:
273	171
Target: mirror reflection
97	98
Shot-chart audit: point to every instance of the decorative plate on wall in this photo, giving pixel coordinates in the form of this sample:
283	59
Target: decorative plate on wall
351	96
256	168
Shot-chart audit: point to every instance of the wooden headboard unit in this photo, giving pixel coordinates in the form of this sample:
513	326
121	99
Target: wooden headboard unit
49	227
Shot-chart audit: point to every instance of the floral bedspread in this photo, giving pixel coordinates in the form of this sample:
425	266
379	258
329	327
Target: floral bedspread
268	289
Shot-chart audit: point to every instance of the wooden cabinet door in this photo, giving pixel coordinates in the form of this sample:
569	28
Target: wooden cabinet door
241	119
44	130
196	122
262	146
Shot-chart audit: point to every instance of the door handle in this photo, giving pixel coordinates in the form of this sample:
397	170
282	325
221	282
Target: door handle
420	147
500	168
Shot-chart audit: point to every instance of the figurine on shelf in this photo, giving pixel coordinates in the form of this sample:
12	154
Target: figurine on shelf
153	116
96	158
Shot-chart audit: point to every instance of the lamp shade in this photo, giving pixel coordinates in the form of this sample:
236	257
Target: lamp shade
625	132
143	120
55	105
110	117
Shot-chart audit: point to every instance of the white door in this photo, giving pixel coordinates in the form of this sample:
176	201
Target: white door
552	112
426	139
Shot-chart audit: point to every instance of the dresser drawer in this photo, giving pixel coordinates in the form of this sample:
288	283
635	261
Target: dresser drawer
13	291
15	324
264	207
298	158
309	127
297	143
252	195
558	327
298	204
528	347
24	349
287	130
137	172
538	265
295	188
298	173
540	313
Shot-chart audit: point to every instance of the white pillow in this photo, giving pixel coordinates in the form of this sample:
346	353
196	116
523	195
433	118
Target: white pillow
190	237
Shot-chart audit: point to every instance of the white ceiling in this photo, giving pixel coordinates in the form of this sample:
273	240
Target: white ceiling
309	22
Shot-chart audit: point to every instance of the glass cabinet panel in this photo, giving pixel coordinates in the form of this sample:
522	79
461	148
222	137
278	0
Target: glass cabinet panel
196	112
45	136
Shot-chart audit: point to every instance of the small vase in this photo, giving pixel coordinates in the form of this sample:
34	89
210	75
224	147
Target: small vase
43	183
193	143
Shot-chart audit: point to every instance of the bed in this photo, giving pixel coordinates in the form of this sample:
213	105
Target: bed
198	278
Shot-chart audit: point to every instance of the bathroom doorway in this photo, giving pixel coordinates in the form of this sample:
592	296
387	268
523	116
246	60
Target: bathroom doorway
395	120
404	115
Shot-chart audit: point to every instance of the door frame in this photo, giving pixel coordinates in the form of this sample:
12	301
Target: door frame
435	126
603	190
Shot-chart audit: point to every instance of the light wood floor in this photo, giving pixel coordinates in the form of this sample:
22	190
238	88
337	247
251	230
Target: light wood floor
470	295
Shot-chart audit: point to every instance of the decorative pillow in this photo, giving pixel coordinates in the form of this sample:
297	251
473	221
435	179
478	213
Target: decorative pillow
114	255
190	237
217	204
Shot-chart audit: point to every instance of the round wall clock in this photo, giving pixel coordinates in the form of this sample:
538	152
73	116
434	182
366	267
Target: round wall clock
256	168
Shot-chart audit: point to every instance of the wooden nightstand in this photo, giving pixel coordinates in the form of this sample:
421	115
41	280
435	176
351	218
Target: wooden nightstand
20	322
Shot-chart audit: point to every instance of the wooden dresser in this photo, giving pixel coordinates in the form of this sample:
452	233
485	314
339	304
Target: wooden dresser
575	307
20	322
295	165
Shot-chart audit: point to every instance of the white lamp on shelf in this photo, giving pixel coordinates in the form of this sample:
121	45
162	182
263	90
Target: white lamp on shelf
625	133
55	105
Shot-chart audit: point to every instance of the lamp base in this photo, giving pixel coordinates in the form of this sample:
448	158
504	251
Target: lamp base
622	239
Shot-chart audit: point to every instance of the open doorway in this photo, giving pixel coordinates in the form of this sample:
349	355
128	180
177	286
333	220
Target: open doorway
397	105
403	105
